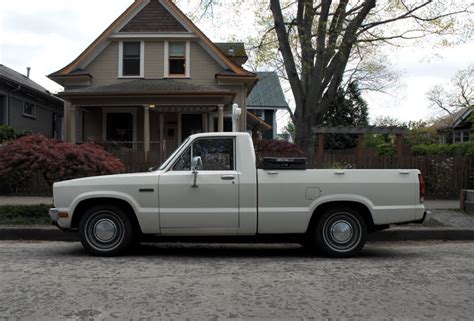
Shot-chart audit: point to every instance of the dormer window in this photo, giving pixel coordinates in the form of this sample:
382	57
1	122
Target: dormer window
131	54
177	59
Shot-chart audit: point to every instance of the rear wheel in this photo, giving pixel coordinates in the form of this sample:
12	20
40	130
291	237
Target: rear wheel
340	232
105	230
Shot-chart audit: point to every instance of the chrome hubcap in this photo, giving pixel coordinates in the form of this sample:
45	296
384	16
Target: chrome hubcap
105	230
341	231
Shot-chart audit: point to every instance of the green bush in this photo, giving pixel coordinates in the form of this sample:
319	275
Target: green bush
386	149
9	133
464	149
6	133
24	214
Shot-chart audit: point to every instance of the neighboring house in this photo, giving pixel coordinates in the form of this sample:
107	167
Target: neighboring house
151	79
264	101
455	128
25	105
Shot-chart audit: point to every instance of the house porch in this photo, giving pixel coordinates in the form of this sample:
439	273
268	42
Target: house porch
146	116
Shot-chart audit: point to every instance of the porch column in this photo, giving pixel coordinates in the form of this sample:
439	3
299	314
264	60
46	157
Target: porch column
146	131
180	131
162	134
72	124
65	128
220	118
205	119
211	123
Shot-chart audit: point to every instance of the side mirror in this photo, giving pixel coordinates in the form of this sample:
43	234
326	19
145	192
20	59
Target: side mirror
196	163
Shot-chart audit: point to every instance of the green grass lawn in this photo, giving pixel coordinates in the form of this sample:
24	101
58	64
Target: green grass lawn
25	214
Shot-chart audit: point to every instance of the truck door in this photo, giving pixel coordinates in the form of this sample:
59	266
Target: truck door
212	204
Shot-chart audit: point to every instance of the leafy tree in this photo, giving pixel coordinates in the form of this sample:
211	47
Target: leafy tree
316	40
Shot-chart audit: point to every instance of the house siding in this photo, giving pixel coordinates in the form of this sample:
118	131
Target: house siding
154	59
41	123
2	110
203	67
104	68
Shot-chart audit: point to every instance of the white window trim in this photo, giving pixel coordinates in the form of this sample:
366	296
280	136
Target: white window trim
142	60
166	65
110	110
33	115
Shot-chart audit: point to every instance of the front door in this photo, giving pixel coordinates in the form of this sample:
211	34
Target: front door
211	207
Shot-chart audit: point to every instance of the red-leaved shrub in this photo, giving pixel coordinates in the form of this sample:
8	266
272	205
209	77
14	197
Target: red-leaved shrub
22	158
276	148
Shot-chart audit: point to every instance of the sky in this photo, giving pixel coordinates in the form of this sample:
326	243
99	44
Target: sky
47	35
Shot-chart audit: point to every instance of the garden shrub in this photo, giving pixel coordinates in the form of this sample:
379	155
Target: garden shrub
8	133
386	149
464	149
276	148
54	160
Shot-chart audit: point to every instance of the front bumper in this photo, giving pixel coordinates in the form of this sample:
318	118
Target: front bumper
53	214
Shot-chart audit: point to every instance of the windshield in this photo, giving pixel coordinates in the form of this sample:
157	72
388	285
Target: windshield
165	164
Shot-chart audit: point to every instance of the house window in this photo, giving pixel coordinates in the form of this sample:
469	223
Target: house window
119	127
461	136
131	59
177	59
29	109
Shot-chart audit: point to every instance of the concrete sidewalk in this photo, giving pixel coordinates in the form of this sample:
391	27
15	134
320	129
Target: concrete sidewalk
25	200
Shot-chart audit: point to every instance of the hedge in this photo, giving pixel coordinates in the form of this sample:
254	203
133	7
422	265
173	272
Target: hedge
464	149
25	214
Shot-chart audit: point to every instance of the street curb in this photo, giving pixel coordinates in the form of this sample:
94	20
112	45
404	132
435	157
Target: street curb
423	234
51	233
35	233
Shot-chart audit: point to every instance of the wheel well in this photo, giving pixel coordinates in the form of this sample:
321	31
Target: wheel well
361	208
84	205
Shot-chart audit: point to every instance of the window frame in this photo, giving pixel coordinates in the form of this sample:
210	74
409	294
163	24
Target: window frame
187	62
33	114
142	60
190	148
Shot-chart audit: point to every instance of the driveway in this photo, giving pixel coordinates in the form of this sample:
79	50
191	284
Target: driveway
55	280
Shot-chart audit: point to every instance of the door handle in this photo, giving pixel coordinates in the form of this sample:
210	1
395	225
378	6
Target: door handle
227	177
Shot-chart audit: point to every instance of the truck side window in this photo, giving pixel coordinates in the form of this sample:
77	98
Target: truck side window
216	153
184	161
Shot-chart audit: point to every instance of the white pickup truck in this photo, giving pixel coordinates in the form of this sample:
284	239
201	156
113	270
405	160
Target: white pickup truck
211	186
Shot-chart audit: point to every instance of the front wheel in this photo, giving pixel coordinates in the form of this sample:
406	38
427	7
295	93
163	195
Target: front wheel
341	232
105	230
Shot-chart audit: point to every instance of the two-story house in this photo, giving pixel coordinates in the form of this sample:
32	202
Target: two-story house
151	79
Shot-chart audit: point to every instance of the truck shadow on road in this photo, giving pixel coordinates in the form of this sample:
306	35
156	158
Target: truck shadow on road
243	251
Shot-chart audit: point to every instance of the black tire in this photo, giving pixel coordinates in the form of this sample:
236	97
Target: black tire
340	232
106	230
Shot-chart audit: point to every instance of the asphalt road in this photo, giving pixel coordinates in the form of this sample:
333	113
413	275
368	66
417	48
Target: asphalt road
55	280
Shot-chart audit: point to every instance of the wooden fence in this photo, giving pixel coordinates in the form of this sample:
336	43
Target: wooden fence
444	176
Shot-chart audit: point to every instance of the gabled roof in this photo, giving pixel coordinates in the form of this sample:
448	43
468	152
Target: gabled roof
267	92
12	76
146	20
453	120
140	14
